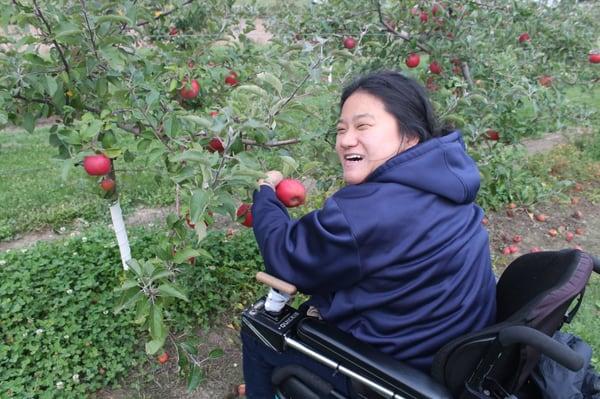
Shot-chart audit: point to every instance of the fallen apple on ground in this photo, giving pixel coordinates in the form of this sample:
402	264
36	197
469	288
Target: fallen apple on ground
162	359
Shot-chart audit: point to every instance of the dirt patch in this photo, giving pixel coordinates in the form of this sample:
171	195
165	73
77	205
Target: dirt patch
221	375
549	141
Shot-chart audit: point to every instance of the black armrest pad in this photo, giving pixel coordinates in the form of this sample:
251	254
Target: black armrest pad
362	358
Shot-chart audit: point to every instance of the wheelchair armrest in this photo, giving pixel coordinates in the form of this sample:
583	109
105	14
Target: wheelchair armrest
362	358
556	351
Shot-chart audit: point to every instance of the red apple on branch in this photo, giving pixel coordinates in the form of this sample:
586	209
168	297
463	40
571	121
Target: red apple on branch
424	17
545	80
349	43
291	192
413	60
245	213
594	58
107	184
435	68
492	135
189	91
96	165
231	79
215	144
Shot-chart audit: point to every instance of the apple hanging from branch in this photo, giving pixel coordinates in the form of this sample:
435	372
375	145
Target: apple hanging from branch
96	165
189	91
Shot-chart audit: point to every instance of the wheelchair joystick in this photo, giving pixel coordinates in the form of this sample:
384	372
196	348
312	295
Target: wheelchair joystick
270	319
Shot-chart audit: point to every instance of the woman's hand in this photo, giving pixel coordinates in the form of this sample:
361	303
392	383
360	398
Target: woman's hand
272	180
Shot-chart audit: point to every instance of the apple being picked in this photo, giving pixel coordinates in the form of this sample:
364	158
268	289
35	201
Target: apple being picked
189	91
96	165
291	192
245	213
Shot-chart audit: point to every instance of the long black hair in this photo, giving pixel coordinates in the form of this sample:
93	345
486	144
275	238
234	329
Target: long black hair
404	98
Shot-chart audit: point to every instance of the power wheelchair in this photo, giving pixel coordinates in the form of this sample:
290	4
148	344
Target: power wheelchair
536	294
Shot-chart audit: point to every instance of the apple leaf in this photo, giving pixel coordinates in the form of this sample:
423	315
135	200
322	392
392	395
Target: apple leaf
195	378
182	255
289	165
201	231
168	290
28	122
216	353
158	330
254	89
272	80
198	204
142	311
198	120
128	298
51	84
135	266
153	346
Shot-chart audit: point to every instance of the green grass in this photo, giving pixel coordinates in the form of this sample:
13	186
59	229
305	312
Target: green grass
587	322
33	194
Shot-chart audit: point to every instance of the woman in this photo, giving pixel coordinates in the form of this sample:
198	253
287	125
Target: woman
398	257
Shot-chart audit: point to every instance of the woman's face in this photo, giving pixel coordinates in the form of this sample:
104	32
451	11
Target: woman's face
367	136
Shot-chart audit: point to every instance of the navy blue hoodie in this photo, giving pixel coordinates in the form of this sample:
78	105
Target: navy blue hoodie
400	261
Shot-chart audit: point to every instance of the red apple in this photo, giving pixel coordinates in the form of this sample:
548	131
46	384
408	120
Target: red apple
431	85
580	231
173	31
349	43
189	91
513	249
545	80
231	79
540	217
517	239
216	144
594	58
435	9
492	135
96	165
424	17
413	60
485	221
435	68
162	359
107	184
291	192
414	11
524	37
552	232
577	215
245	212
569	236
214	114
506	251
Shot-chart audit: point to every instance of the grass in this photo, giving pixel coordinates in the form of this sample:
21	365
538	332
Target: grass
33	194
587	322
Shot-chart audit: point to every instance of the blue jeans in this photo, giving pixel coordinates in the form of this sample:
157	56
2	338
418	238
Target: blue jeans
260	361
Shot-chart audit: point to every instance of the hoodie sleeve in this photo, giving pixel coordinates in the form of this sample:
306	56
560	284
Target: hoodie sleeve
317	252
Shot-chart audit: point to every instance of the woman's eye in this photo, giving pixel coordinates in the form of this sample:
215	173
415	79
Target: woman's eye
341	130
362	126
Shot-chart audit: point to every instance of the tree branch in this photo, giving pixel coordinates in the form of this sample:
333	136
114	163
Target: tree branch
402	35
38	13
271	143
467	74
89	28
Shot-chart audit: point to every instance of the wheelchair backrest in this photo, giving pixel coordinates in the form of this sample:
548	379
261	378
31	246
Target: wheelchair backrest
536	290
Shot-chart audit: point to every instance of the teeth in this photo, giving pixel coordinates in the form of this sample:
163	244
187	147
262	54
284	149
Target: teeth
353	157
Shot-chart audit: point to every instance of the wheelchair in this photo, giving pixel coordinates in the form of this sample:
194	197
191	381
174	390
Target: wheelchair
536	294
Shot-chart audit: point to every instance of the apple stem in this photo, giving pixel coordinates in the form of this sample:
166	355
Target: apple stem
119	226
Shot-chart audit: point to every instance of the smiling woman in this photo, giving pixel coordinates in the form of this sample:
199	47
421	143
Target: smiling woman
398	258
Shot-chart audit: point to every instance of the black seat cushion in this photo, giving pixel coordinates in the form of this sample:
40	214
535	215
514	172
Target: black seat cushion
362	358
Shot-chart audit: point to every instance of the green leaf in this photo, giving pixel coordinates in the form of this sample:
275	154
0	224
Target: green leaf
189	348
153	346
289	165
198	120
129	298
195	378
142	312
184	254
127	285
51	84
272	80
119	19
167	290
159	274
253	89
135	266
66	33
216	353
28	122
158	330
198	204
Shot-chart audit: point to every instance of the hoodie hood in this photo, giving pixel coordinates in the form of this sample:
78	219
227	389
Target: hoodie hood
440	166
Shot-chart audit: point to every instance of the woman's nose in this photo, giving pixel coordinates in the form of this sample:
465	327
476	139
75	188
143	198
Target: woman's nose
348	139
